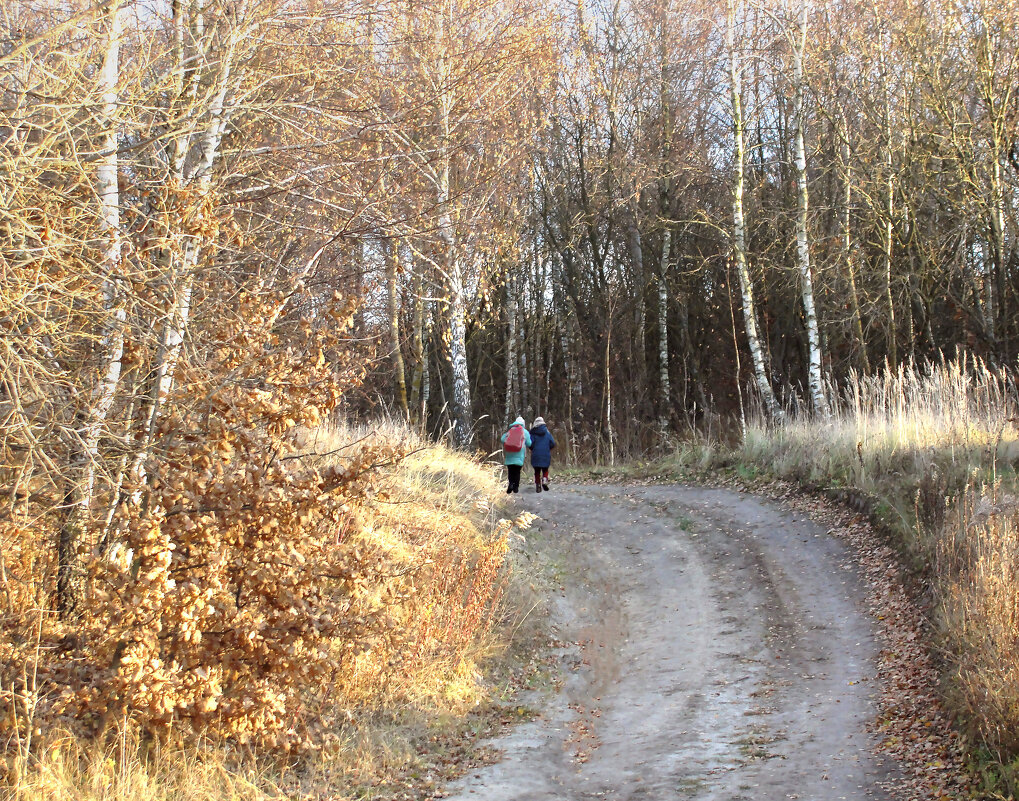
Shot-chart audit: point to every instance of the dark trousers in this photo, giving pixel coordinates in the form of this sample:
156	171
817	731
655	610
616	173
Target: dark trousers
538	473
514	478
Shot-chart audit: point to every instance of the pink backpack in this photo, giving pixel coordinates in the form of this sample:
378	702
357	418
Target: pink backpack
514	440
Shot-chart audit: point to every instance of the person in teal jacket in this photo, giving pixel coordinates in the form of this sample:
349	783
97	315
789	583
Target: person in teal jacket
514	460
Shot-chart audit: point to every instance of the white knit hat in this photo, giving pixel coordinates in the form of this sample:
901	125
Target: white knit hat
519	421
539	421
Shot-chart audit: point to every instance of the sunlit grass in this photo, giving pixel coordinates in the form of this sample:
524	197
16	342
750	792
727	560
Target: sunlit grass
956	421
68	768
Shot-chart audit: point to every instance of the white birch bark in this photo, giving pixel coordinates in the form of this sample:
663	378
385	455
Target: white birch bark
107	186
739	223
888	202
457	303
847	249
183	266
815	380
392	255
111	345
663	333
512	402
664	385
462	423
456	290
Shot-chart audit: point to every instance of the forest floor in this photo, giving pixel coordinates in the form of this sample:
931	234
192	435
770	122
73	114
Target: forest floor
710	645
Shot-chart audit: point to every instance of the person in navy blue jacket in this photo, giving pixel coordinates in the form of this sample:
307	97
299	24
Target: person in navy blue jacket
541	446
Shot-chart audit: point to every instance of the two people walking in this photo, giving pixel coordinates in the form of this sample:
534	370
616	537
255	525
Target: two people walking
540	442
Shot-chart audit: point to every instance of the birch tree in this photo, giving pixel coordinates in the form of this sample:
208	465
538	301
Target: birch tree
85	461
815	378
739	248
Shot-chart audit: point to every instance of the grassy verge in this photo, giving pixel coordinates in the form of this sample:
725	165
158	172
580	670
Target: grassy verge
400	718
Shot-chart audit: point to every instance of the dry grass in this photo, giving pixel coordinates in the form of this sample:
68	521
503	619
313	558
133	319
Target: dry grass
434	527
978	563
958	418
69	769
909	440
435	520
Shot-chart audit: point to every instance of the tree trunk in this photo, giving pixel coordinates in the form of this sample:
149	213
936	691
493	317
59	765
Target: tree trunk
771	406
392	249
462	423
607	393
463	429
814	376
847	253
665	388
888	229
419	349
426	372
512	397
182	268
997	265
85	458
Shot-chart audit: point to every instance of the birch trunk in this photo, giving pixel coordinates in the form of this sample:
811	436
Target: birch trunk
182	268
814	377
664	385
887	233
111	348
462	423
418	347
847	252
457	318
456	335
512	399
393	297
739	225
663	335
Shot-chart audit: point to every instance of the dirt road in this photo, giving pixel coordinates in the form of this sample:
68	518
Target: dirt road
714	647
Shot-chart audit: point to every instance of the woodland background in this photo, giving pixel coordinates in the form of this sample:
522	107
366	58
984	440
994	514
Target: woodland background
227	223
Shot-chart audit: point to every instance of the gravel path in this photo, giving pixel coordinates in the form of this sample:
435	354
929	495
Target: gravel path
714	647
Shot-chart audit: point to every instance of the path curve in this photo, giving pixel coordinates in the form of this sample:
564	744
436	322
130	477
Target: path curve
715	647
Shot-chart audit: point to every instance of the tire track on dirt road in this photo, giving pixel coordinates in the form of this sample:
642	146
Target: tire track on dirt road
716	647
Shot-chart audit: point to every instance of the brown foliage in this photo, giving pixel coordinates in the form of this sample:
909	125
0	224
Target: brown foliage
229	578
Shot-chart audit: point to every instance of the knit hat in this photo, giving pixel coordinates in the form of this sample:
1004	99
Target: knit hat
539	421
518	422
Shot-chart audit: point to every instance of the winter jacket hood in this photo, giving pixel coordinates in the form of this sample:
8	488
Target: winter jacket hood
541	450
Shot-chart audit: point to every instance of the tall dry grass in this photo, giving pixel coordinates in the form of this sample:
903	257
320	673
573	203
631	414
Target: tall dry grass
978	572
958	419
436	523
69	768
